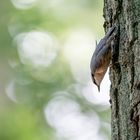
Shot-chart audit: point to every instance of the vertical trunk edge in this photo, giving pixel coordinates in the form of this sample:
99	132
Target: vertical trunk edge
125	72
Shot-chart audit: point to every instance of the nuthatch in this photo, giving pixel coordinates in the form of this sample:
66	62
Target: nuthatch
101	58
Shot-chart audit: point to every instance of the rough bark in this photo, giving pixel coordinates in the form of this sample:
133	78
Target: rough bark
125	70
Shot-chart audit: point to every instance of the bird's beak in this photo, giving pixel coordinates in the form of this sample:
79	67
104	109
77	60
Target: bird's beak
98	88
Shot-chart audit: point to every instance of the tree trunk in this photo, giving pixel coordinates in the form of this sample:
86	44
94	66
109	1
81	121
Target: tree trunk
125	70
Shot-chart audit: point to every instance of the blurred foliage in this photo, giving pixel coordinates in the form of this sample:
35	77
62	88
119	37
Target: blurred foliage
25	89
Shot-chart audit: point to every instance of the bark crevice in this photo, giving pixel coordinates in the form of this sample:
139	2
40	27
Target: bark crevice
125	72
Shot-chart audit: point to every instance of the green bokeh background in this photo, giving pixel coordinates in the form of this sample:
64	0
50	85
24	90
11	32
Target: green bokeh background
35	87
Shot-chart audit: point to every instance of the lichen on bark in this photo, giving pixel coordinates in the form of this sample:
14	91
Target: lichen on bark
125	70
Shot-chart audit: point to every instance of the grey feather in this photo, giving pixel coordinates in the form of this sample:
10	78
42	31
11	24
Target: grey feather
101	58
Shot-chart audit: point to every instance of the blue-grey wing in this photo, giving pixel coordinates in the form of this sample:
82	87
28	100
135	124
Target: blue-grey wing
100	50
104	40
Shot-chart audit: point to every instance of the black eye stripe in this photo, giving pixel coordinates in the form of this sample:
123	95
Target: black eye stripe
94	81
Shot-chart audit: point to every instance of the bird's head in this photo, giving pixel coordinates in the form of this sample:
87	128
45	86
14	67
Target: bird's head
96	81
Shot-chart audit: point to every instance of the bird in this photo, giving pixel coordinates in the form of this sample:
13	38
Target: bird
101	57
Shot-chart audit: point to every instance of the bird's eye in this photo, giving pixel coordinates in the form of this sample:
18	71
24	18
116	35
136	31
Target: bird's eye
94	81
93	78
